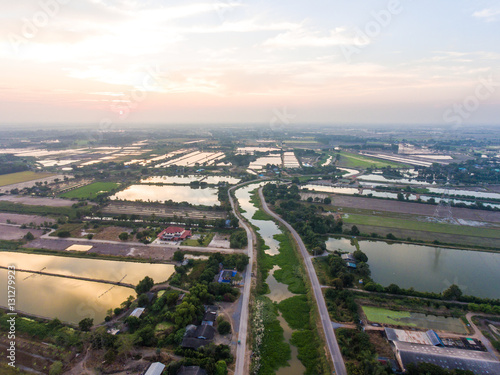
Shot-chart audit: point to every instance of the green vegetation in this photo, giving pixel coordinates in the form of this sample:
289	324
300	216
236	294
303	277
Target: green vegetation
384	316
203	241
260	215
144	285
238	239
350	160
90	191
38	210
271	351
10	164
432	369
360	353
381	221
341	305
15	178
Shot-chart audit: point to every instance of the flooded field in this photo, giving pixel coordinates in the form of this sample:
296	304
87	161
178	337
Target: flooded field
427	268
152	193
67	299
110	270
72	300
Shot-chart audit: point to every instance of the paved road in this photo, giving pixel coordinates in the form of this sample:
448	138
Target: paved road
242	362
331	340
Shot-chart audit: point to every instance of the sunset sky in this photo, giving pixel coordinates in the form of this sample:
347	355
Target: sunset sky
241	61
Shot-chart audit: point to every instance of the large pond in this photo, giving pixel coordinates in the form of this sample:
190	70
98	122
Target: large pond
152	193
69	299
428	268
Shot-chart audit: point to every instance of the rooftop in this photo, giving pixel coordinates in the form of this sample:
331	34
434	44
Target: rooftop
480	363
155	369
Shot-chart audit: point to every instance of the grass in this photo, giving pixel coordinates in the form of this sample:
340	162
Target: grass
39	210
206	241
90	191
391	222
260	215
15	178
350	160
384	316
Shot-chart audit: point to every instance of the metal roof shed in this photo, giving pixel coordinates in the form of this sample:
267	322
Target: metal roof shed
155	369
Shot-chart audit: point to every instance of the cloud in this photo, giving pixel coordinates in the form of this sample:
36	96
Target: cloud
300	37
487	14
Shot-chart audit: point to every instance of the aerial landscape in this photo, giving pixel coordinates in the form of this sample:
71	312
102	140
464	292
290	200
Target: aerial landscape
242	188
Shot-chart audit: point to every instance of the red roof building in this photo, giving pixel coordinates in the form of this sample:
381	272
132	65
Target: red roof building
174	234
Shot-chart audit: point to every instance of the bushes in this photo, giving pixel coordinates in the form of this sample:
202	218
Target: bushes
224	327
238	239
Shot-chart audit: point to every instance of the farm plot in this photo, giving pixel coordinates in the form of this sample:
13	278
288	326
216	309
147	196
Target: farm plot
15	178
90	191
350	160
195	158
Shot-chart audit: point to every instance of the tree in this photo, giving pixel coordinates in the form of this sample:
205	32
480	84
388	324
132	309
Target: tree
123	236
29	236
63	234
354	230
56	368
221	368
224	327
360	256
178	256
144	285
86	324
143	300
453	292
327	200
401	197
133	323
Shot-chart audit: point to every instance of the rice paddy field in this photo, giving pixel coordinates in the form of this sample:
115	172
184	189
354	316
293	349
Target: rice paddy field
15	178
350	160
90	191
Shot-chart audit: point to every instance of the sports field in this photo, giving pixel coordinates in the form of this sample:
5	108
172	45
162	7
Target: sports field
15	178
90	191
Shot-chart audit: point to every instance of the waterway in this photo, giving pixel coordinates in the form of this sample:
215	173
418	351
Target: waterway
427	268
278	291
71	300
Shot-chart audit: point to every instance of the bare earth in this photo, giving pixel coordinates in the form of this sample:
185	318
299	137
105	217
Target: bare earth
24	219
127	249
37	201
12	232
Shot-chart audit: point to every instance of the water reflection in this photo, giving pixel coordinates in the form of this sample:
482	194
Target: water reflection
428	268
206	196
67	299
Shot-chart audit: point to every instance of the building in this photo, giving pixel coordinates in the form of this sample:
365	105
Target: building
210	315
174	234
196	337
480	363
137	312
226	276
191	370
155	369
416	347
349	260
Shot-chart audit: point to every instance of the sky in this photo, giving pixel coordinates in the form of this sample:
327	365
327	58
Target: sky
110	62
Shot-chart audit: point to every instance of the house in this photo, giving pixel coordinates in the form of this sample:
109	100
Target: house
155	369
137	312
226	276
191	370
210	315
196	337
174	234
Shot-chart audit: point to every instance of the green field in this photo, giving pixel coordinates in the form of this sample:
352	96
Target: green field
350	160
90	191
384	316
392	222
15	178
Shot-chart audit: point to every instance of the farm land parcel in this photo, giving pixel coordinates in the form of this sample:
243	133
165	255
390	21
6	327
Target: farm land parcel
15	178
90	191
